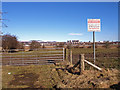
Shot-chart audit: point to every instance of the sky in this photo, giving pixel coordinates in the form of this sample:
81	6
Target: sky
60	21
60	0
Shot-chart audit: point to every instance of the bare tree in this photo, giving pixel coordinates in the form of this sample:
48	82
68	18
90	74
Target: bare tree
34	45
9	41
20	45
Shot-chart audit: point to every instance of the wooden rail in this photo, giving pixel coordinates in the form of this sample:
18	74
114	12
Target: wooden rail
93	65
81	64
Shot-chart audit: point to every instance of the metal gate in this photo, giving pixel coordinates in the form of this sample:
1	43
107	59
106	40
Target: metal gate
36	56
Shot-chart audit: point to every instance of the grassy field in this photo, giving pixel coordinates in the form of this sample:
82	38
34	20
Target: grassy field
90	50
105	57
34	52
52	76
32	76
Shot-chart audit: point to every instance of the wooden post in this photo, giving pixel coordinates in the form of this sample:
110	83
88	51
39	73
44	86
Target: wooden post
71	56
81	58
65	53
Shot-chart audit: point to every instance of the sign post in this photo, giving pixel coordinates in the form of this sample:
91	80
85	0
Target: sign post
94	26
94	45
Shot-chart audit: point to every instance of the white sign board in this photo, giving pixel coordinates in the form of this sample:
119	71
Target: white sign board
94	25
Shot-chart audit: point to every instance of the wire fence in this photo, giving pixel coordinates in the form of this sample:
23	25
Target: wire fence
35	56
105	57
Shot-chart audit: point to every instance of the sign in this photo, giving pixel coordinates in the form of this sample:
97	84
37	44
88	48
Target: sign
94	25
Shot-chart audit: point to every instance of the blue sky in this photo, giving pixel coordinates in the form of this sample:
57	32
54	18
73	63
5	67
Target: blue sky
53	21
60	0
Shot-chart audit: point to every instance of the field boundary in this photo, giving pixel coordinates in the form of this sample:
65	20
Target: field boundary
36	56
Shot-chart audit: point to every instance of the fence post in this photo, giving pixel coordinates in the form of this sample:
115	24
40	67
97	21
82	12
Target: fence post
81	58
22	58
71	56
64	53
9	51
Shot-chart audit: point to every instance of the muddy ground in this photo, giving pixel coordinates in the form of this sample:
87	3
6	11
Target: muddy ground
88	79
59	75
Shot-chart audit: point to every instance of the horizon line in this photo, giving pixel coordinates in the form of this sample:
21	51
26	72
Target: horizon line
66	41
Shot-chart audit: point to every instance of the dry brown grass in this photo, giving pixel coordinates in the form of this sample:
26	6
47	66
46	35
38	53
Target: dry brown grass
58	76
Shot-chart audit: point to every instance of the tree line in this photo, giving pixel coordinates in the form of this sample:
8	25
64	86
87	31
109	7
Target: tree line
11	42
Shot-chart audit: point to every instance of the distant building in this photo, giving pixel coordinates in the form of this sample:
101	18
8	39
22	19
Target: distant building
101	41
75	41
26	42
68	41
26	47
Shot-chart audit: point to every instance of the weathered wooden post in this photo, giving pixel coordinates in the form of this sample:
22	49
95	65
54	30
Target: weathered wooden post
71	56
82	67
65	53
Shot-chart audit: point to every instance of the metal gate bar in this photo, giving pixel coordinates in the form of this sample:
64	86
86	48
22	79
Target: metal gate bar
37	56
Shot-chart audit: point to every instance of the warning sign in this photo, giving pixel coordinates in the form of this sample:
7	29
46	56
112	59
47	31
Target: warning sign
94	25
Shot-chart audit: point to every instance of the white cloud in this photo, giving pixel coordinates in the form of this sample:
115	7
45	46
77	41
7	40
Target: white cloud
78	34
